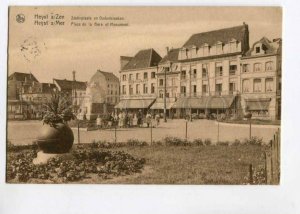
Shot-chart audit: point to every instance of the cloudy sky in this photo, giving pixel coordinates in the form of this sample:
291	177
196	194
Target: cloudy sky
55	51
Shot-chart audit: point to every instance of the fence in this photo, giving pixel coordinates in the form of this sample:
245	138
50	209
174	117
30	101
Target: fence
272	161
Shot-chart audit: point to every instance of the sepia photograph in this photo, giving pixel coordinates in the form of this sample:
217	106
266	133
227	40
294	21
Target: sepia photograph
144	95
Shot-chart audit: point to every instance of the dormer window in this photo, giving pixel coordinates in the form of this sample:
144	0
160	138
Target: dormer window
257	50
219	47
206	49
233	45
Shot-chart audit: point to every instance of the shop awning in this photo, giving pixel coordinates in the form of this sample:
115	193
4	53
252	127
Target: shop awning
258	104
209	102
160	105
134	104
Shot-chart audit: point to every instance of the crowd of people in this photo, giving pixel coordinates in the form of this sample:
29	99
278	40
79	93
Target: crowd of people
125	119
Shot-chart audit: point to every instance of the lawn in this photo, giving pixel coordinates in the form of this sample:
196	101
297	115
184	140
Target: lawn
195	164
189	164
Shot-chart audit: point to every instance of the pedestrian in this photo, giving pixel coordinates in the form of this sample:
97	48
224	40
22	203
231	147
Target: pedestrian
134	120
139	118
99	122
148	119
121	119
157	118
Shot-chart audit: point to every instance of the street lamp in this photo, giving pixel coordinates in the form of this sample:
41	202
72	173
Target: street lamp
249	116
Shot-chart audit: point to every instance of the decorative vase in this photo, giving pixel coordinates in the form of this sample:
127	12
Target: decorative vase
55	139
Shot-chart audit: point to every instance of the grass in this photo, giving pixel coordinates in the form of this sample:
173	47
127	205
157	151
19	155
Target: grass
192	164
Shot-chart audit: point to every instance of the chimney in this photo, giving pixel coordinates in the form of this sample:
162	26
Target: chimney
74	73
167	48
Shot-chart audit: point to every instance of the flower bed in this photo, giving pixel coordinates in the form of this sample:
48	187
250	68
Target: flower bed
106	164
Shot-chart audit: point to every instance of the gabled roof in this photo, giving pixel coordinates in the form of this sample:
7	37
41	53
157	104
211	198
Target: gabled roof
239	33
269	47
70	84
18	76
109	76
172	56
143	59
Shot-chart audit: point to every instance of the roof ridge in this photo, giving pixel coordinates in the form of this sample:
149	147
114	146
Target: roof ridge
212	31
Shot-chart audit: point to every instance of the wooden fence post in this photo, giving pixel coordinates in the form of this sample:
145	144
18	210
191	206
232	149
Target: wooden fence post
250	174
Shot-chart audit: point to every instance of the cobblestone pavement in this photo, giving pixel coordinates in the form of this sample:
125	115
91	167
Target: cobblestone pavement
24	132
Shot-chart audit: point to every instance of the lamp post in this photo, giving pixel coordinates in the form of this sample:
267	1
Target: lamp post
249	116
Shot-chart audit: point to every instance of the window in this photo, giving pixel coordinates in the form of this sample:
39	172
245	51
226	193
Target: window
204	71
145	75
269	66
257	85
231	87
130	90
194	73
161	94
218	89
246	85
152	88
137	76
269	84
257	50
173	81
187	53
206	50
183	74
204	89
246	68
257	67
161	82
145	89
152	75
195	90
219	48
232	68
137	89
130	76
124	77
219	69
233	46
167	69
183	90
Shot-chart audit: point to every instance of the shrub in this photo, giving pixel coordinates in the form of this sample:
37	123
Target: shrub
174	141
253	141
198	142
135	142
207	142
223	143
236	142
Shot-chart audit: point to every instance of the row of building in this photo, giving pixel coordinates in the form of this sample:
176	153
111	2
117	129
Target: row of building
212	73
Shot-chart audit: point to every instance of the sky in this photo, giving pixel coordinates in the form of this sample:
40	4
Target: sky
55	51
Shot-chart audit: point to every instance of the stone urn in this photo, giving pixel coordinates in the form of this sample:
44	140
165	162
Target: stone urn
56	139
